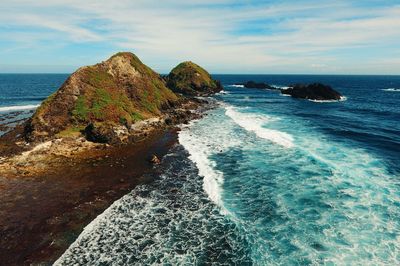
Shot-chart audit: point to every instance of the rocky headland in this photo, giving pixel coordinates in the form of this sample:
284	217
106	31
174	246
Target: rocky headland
88	144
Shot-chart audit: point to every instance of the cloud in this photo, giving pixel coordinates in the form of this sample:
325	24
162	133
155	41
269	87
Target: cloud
225	35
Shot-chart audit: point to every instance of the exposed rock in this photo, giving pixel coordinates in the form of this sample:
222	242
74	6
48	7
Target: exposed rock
315	91
155	160
255	85
119	91
106	133
190	79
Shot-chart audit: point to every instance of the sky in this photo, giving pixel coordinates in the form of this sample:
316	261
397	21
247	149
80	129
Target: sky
223	36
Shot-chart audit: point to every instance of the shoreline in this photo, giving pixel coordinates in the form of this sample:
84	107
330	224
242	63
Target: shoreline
51	190
42	215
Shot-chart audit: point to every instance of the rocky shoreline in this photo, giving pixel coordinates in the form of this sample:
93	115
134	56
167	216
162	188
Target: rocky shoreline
50	190
86	145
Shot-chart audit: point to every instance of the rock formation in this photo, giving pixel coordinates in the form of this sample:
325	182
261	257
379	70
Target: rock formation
256	85
189	79
119	91
315	91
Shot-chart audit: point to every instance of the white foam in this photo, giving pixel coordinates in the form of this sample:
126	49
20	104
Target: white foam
392	90
342	98
223	92
254	123
236	86
199	154
202	142
280	87
18	107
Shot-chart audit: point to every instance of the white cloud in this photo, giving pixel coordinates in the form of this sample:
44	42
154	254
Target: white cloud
290	37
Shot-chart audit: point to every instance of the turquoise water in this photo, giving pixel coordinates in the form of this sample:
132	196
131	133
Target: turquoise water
265	179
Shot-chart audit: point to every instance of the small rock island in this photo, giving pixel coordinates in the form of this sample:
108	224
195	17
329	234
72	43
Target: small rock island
256	85
190	79
315	91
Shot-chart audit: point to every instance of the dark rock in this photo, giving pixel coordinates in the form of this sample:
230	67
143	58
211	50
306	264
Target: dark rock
155	160
103	133
255	85
315	91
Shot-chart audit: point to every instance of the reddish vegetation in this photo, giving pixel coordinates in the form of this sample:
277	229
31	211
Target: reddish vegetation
57	182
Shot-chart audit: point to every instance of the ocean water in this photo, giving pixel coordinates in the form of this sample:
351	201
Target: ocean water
21	94
265	179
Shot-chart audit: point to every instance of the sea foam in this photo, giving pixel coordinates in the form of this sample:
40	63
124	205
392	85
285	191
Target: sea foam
18	107
236	86
342	98
392	90
199	152
254	123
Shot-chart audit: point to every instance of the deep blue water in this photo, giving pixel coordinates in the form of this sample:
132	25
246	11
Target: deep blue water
262	179
20	94
28	89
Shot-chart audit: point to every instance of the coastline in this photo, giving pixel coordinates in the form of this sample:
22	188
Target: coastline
42	215
51	190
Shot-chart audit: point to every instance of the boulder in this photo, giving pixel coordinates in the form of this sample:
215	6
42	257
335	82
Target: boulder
106	133
155	160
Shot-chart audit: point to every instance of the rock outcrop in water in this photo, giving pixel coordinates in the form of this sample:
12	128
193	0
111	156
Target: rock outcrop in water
256	85
117	92
315	91
187	78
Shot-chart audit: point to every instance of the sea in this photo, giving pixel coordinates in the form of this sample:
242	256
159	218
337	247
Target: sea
261	179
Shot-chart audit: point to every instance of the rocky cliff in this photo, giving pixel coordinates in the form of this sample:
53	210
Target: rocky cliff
119	91
187	78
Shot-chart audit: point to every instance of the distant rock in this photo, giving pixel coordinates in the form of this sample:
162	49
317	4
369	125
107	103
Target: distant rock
256	85
190	79
315	91
116	92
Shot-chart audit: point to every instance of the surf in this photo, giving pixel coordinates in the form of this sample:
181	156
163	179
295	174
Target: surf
18	107
254	123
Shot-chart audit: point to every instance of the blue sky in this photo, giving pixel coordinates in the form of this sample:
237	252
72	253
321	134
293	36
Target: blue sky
224	36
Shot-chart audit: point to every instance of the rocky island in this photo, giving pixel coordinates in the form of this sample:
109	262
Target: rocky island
256	85
314	91
190	79
88	144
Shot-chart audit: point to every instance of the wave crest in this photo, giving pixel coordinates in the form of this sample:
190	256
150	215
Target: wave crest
18	107
254	123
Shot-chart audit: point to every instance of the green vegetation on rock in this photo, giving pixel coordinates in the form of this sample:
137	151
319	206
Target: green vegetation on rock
120	91
190	79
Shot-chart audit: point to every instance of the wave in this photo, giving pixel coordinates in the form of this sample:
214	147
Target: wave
342	99
236	86
223	92
254	123
392	90
200	150
18	107
280	87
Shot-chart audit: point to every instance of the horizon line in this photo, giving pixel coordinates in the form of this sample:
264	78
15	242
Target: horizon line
228	74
